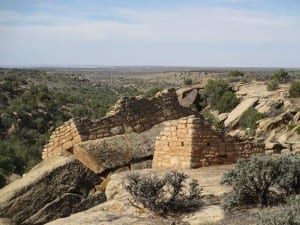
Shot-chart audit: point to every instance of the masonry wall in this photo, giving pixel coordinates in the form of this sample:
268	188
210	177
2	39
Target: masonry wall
190	142
129	114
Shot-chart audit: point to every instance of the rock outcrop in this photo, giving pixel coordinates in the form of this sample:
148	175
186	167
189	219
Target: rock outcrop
119	210
55	188
280	129
235	115
188	95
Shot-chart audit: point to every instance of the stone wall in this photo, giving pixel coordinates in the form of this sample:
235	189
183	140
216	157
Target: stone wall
129	114
190	142
65	137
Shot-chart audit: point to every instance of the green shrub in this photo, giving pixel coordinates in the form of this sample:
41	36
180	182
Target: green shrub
289	174
273	85
284	215
187	81
214	90
249	119
295	89
164	195
227	102
213	120
236	73
252	180
281	75
151	92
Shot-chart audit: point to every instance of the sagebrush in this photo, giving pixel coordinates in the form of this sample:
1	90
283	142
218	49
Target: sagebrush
288	214
264	180
166	195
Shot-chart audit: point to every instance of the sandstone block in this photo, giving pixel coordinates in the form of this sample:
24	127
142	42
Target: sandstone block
68	145
117	130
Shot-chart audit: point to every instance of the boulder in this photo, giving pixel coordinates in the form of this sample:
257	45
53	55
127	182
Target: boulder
110	153
271	107
223	116
270	124
188	94
54	188
189	99
276	147
235	115
122	209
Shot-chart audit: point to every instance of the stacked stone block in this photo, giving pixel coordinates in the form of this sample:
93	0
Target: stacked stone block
129	114
64	138
190	142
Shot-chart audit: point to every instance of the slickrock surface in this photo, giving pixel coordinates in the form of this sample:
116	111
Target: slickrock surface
118	210
54	189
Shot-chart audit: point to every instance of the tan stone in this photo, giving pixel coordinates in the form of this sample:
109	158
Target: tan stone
68	145
197	141
181	126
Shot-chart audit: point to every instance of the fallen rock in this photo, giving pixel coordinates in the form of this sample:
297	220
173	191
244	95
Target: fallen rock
188	94
110	153
44	192
235	115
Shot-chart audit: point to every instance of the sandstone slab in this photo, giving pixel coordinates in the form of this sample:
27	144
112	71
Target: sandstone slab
40	196
110	153
235	115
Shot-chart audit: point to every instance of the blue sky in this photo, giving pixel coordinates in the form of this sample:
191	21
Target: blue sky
243	33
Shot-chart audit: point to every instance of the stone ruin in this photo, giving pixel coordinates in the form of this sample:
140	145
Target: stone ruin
190	142
129	114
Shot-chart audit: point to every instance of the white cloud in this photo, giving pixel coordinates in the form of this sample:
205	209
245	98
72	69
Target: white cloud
185	26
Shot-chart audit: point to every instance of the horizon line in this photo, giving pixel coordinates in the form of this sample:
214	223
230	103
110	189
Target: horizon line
95	66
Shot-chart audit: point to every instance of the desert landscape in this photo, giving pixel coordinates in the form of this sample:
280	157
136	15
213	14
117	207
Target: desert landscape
181	123
126	112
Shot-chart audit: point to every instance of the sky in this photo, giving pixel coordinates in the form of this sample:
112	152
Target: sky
201	33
